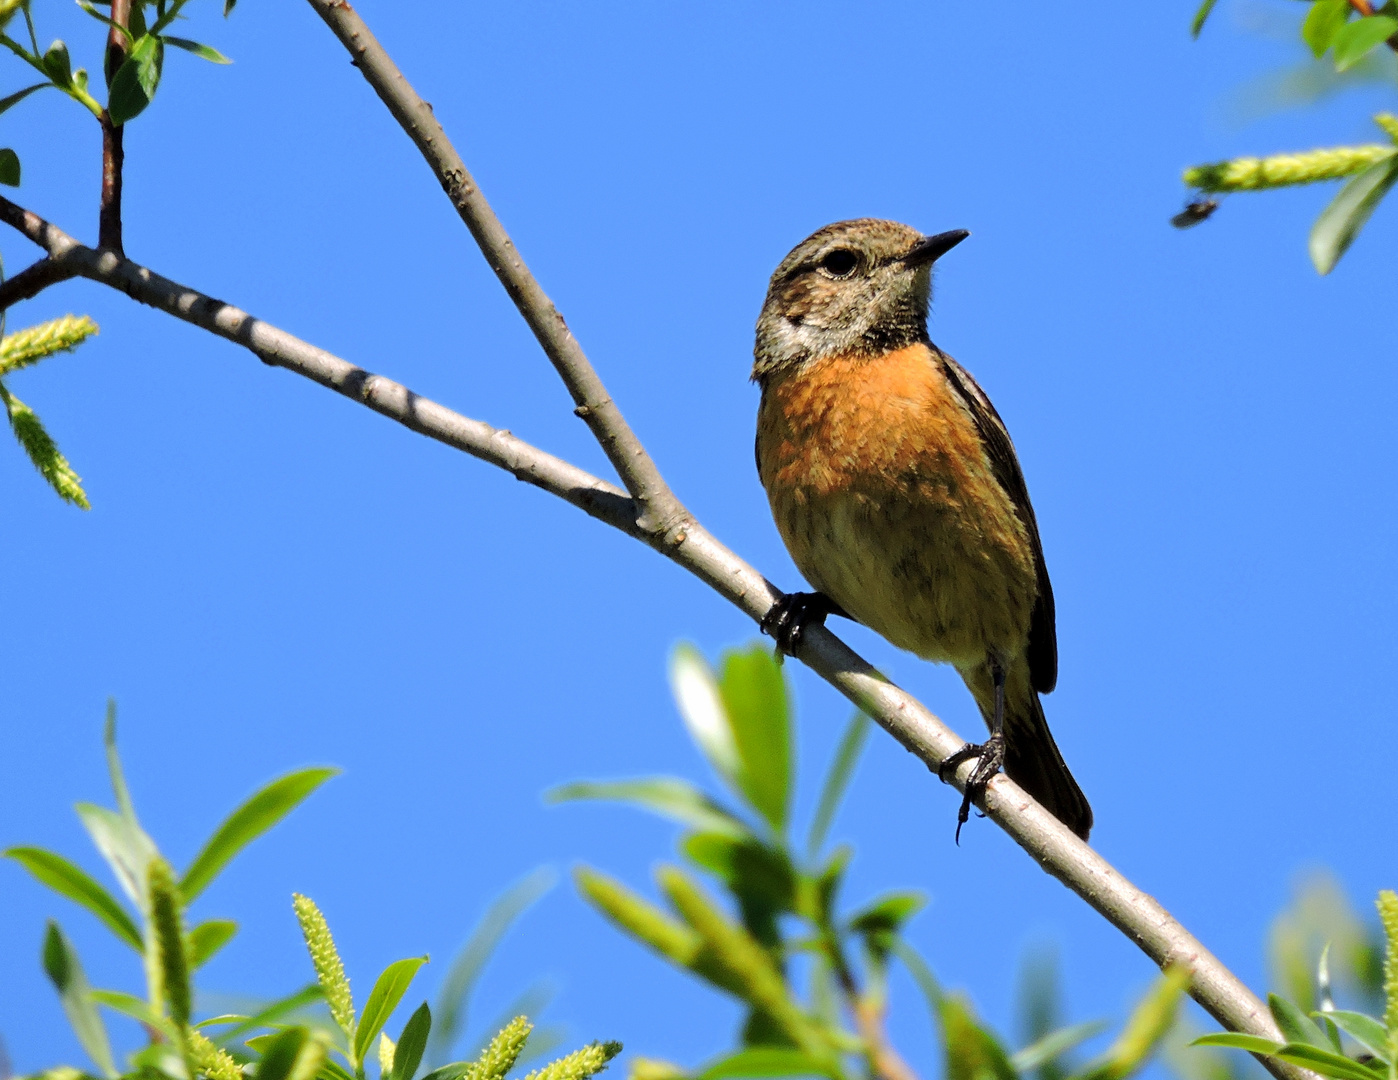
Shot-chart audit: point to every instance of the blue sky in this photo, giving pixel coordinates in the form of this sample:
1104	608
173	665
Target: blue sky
272	577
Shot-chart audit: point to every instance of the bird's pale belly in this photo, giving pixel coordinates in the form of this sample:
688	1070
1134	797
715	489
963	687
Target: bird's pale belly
882	493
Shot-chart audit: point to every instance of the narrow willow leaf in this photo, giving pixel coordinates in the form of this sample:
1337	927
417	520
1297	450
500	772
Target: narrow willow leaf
1253	1044
972	1051
207	52
166	963
1355	39
259	813
758	1061
63	968
1365	1030
1295	1025
1054	1045
383	999
269	1014
1201	17
68	880
9	167
34	343
330	1069
127	849
1326	1062
407	1054
138	1009
889	913
1322	23
206	939
1149	1022
837	780
115	774
228	6
753	690
104	19
289	1055
638	917
325	958
701	708
1340	222
135	82
454	998
667	796
43	451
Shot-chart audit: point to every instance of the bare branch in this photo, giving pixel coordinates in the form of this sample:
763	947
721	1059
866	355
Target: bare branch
660	511
113	153
33	280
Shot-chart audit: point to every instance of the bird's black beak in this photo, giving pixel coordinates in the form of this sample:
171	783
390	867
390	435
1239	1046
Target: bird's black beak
931	248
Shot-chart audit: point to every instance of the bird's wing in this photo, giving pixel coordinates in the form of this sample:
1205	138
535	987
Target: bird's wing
1043	637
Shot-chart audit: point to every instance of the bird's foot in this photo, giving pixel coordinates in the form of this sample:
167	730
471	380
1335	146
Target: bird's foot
989	755
787	619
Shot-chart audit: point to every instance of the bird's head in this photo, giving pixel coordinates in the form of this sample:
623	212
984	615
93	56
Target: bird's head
853	288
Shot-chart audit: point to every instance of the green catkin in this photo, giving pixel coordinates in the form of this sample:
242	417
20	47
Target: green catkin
212	1061
1285	170
168	965
42	450
580	1064
29	346
500	1056
330	970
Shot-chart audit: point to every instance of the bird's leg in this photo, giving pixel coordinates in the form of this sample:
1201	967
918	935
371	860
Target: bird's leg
989	755
787	619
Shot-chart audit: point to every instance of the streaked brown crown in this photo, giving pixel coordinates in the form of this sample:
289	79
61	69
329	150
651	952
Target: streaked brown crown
844	290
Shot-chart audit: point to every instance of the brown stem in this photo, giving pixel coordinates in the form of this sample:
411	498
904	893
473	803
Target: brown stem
113	156
35	279
884	1061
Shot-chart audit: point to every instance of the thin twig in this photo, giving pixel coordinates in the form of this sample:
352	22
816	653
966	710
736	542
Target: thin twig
113	153
660	510
33	280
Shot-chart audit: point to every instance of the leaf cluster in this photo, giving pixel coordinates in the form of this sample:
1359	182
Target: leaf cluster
812	976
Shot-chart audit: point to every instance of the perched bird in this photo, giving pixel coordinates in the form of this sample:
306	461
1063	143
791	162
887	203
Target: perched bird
897	491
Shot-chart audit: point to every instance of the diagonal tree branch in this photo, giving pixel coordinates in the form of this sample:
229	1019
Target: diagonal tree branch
660	510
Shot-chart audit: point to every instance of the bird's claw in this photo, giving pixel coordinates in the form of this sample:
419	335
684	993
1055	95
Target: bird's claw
990	756
787	619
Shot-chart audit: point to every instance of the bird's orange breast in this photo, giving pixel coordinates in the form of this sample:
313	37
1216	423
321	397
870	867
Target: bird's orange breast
889	505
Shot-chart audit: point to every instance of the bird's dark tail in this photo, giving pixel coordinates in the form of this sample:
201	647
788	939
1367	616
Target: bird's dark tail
1033	762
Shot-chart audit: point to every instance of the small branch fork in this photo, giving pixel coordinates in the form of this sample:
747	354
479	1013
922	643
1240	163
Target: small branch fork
647	510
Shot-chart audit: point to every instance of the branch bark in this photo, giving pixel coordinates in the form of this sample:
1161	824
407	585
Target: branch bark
113	153
651	514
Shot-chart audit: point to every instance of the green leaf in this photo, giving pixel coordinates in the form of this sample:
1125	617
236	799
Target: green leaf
638	917
259	813
268	1015
701	708
1295	1025
1365	1030
137	1008
135	82
888	914
42	450
9	167
68	880
289	1055
1355	39
454	997
972	1051
7	103
760	876
55	61
208	52
63	968
667	796
1323	22
1326	1062
1201	17
383	999
330	1069
207	938
1253	1044
1055	1044
127	849
1340	222
758	1061
115	773
1150	1021
228	6
408	1053
754	695
832	792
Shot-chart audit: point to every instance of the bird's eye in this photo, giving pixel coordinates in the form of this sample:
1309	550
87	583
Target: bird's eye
840	263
